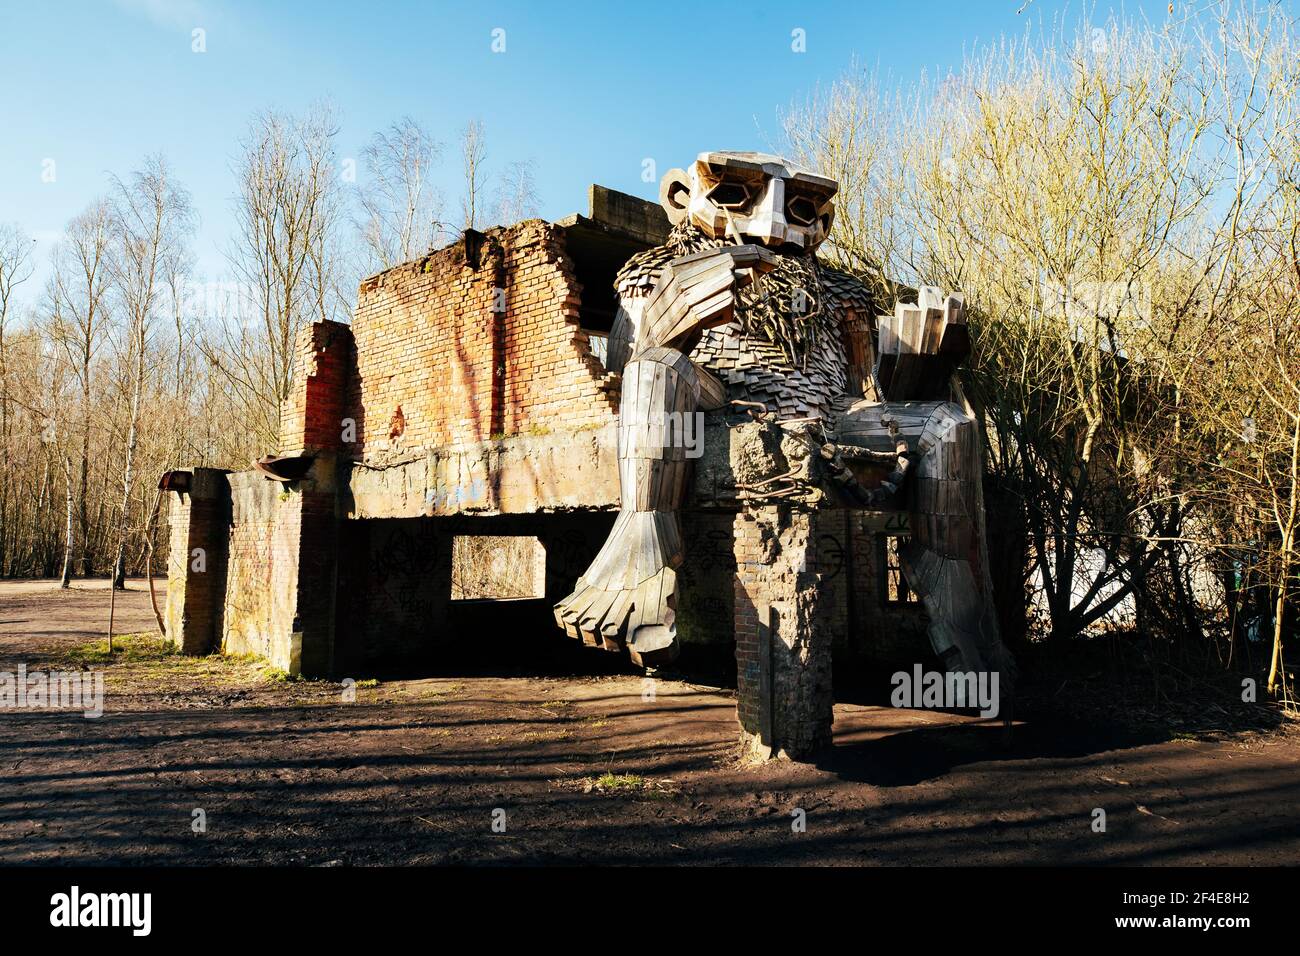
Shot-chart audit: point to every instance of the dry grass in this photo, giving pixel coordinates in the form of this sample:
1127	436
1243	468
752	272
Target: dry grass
497	566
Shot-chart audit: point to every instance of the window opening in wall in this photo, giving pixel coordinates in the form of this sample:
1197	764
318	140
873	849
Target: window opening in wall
894	589
497	567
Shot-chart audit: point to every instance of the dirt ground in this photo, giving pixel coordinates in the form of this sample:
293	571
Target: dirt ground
585	770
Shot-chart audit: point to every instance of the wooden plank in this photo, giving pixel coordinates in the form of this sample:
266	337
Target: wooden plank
954	309
630	573
713	394
601	567
645	393
929	297
591	620
887	353
655	421
638	615
906	371
650	556
654	594
931	331
612	626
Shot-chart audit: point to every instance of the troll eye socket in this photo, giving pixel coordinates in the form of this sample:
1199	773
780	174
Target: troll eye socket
802	210
731	195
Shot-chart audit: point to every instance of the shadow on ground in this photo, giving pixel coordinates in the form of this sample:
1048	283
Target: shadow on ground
587	770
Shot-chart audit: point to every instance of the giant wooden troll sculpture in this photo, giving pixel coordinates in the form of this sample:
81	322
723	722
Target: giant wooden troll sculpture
736	309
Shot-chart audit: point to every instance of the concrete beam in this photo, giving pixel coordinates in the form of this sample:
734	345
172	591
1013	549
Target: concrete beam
636	217
560	471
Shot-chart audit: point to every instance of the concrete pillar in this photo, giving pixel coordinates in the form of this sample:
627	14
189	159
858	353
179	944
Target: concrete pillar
784	700
199	523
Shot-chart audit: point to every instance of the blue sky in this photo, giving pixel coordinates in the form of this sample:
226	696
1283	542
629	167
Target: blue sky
586	90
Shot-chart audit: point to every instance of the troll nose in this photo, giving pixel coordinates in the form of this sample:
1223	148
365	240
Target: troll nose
767	222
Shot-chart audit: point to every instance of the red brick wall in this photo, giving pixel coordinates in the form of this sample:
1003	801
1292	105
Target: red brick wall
783	644
311	419
199	519
429	342
178	550
863	626
318	543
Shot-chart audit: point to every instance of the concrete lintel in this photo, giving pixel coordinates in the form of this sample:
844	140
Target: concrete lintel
554	472
522	474
621	214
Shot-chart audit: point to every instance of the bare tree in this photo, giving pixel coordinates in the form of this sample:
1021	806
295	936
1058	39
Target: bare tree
401	210
79	313
16	267
473	152
286	259
853	132
516	193
123	369
152	219
1114	203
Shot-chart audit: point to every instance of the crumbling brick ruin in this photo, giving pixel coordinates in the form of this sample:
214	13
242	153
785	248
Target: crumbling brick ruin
470	396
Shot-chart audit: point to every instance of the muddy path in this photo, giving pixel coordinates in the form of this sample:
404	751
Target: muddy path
585	768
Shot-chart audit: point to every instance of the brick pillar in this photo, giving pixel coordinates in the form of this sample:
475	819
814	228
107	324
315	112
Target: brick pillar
311	418
312	423
199	523
312	642
783	654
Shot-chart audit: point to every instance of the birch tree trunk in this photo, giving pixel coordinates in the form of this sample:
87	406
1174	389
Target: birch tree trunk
68	540
1288	550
